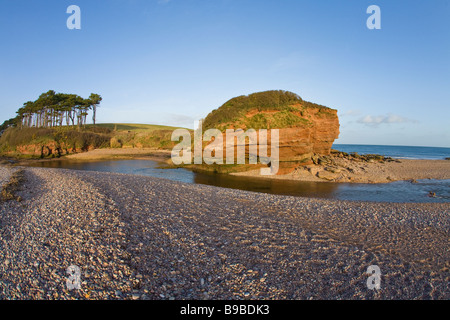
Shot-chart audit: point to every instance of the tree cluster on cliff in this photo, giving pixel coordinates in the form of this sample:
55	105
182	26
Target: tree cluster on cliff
53	109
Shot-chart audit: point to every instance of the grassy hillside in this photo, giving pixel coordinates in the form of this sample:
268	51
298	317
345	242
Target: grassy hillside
14	140
31	141
289	105
131	126
140	135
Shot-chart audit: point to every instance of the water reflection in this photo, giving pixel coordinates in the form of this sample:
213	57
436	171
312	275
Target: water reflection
294	188
400	191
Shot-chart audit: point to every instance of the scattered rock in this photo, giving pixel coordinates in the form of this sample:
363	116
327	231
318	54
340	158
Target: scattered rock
327	175
135	296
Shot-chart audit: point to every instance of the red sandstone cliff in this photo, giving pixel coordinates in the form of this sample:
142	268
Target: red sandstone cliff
298	143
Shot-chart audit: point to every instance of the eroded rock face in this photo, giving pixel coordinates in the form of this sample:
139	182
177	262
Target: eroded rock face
298	144
317	138
50	149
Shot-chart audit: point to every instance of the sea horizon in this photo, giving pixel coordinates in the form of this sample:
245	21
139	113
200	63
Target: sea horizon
396	151
388	145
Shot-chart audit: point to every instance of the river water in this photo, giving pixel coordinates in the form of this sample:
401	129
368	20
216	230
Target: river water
399	191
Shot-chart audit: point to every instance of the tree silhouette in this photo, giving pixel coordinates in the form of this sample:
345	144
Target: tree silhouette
50	109
95	100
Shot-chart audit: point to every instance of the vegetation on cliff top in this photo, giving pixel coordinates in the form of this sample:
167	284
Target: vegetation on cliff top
55	125
289	105
67	140
58	121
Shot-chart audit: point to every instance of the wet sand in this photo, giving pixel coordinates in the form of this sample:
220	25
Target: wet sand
137	237
121	153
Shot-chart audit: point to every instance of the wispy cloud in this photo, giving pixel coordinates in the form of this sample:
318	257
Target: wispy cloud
179	119
389	118
351	113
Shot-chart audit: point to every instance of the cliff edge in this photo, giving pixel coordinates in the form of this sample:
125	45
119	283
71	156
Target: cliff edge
305	129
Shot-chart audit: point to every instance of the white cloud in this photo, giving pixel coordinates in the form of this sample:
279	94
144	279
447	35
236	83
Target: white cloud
371	120
350	113
179	119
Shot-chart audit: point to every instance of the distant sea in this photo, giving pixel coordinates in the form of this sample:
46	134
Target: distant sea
398	152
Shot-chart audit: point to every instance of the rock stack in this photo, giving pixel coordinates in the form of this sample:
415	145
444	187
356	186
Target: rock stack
306	130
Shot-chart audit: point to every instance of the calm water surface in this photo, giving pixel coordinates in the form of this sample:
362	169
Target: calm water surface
399	191
399	152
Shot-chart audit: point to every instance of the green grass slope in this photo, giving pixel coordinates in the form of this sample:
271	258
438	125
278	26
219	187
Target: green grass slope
14	141
132	126
290	107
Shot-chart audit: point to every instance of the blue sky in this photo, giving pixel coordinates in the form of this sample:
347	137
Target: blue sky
173	61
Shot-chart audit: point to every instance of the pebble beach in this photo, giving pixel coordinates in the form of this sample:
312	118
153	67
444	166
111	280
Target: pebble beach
144	238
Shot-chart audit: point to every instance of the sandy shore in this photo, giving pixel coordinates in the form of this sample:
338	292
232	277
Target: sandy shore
5	174
121	153
343	170
137	237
